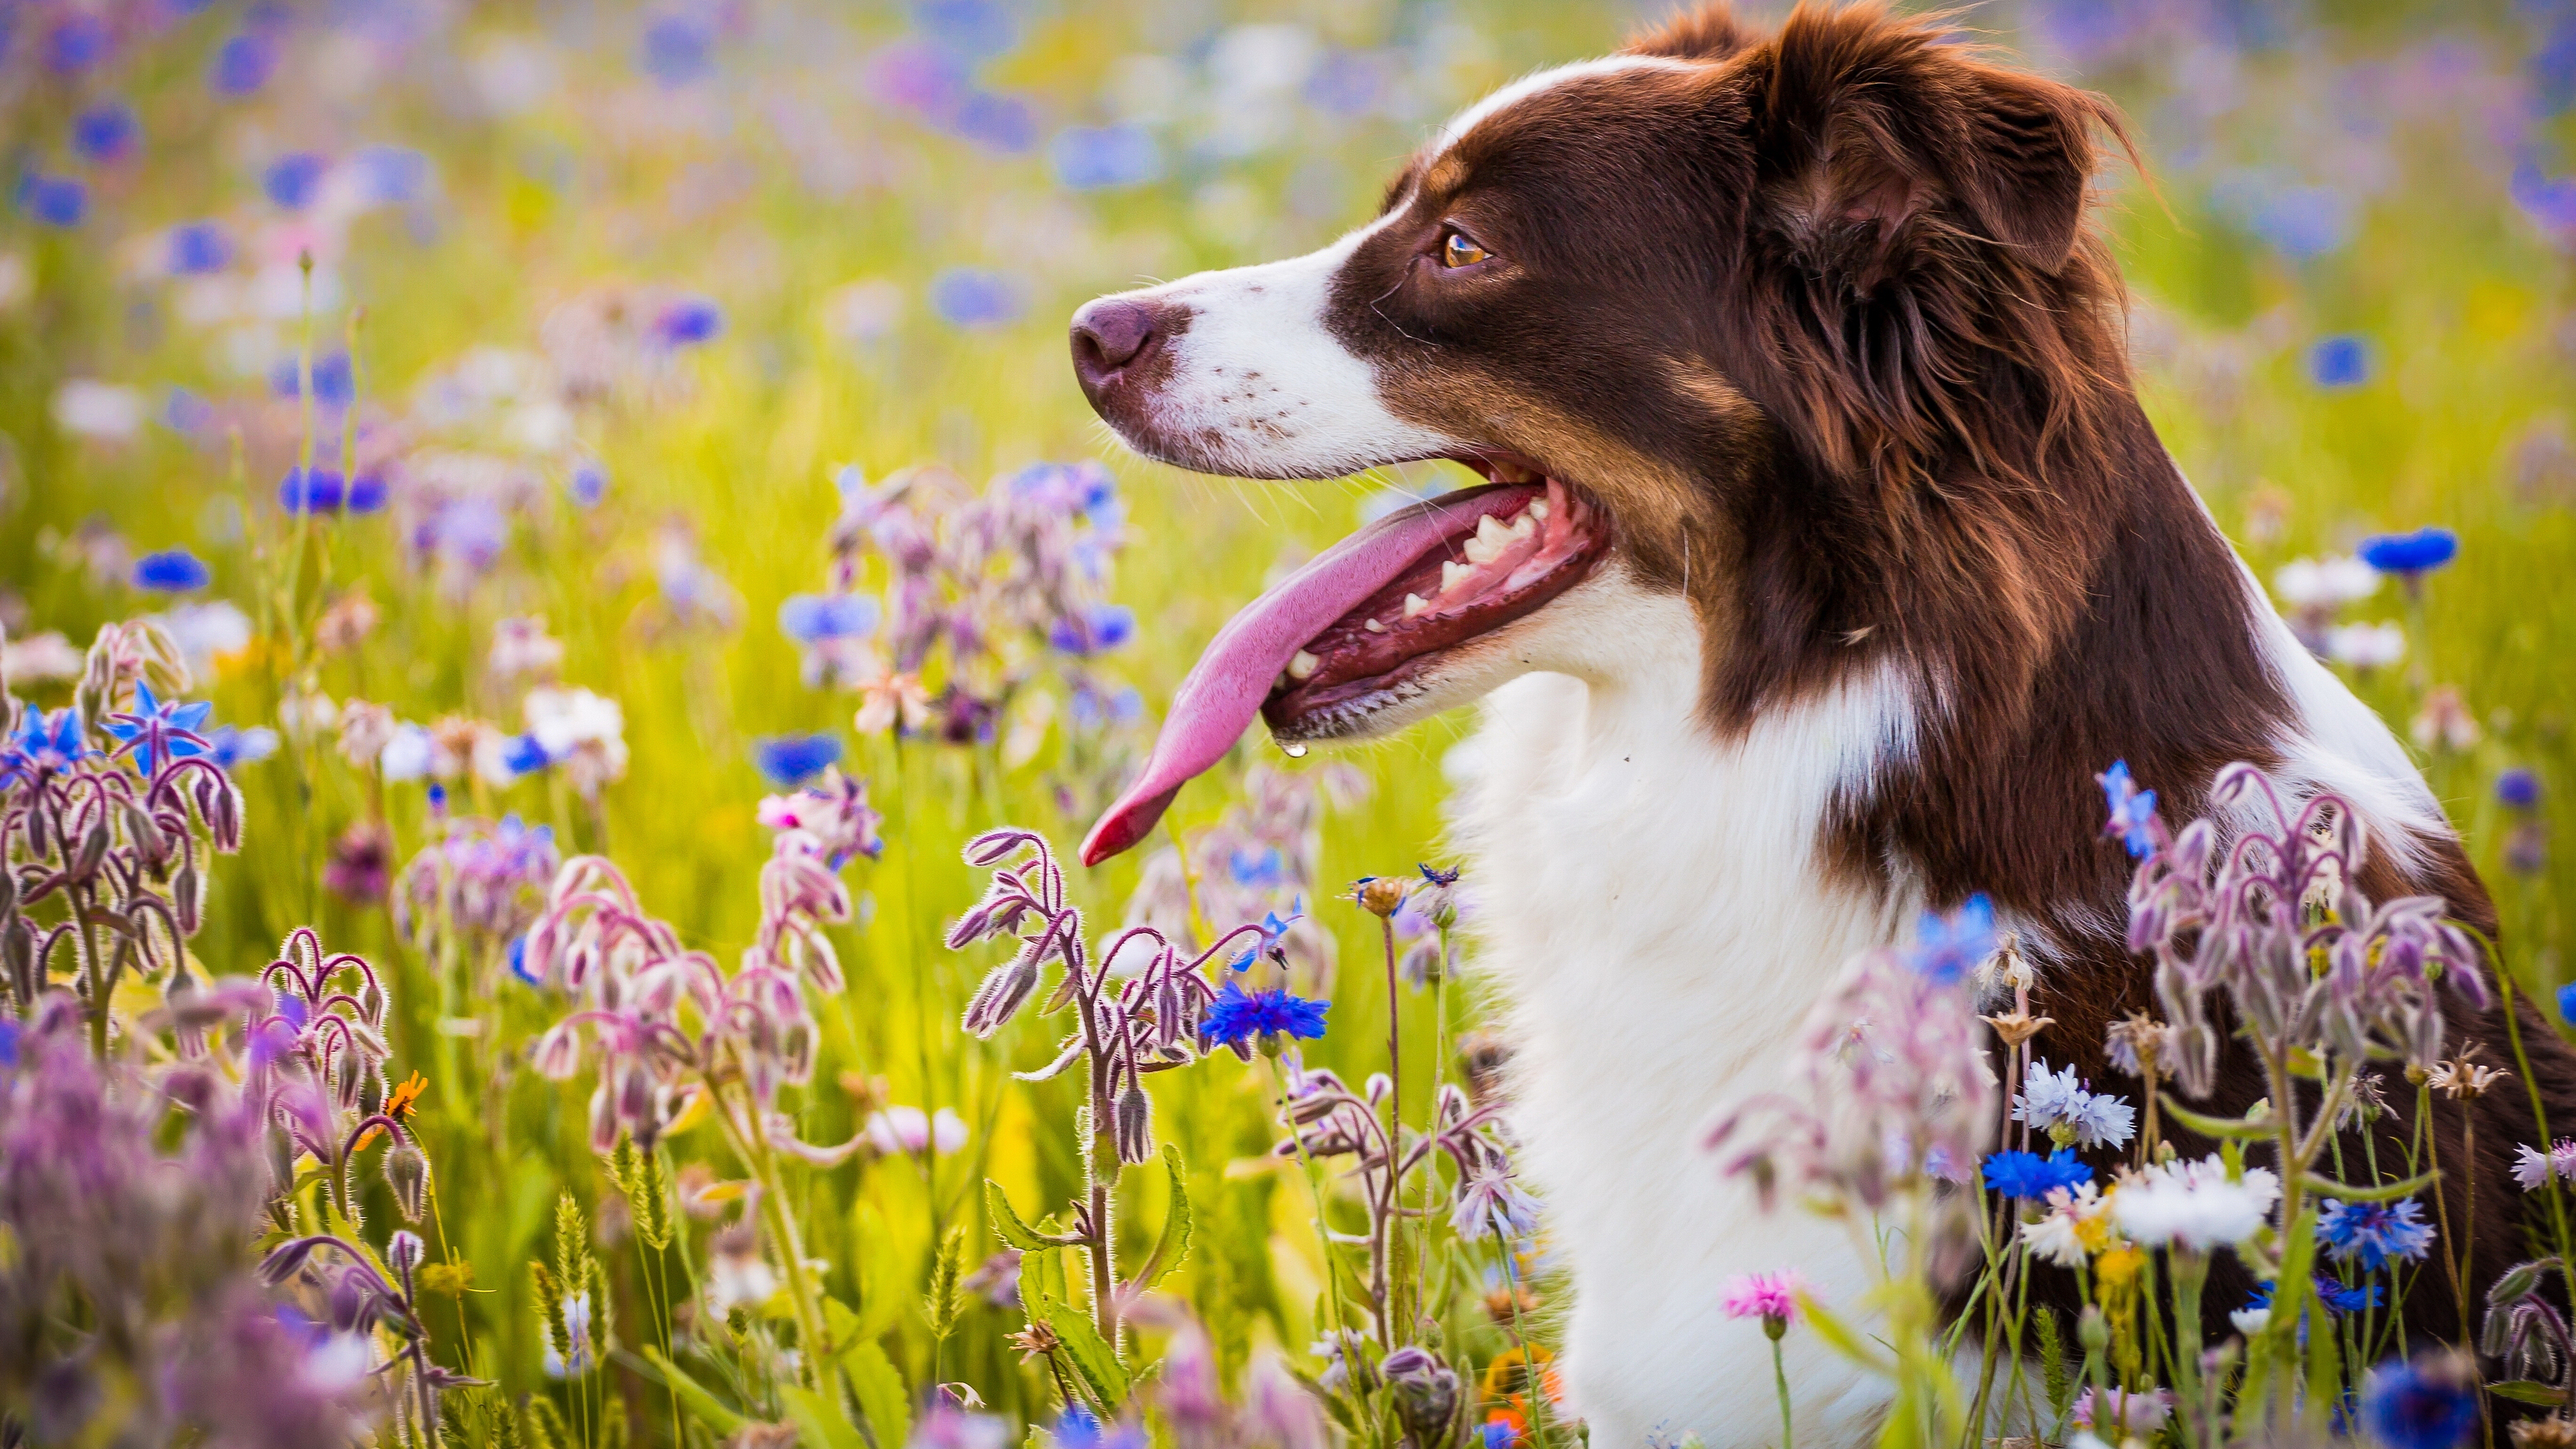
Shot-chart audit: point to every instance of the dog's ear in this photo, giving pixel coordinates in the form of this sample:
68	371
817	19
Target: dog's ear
1881	135
1710	32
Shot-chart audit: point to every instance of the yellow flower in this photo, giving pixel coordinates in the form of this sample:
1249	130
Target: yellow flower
2119	1267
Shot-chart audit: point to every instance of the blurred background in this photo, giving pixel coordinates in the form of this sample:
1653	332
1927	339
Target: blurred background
620	319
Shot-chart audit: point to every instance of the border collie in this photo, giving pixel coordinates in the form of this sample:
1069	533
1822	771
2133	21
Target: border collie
1826	556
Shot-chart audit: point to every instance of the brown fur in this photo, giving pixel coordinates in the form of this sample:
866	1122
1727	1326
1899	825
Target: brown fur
1819	317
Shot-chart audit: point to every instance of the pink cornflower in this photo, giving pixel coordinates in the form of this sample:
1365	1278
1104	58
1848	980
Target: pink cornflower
1771	1297
2533	1168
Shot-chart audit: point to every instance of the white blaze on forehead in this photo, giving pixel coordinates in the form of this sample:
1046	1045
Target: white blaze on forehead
1545	81
1259	381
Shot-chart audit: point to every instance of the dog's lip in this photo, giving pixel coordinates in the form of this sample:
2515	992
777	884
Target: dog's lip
1235	674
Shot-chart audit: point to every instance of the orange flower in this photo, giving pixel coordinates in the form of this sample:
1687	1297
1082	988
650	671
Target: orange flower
399	1105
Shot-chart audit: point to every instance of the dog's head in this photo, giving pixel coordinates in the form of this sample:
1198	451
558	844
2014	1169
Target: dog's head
1786	326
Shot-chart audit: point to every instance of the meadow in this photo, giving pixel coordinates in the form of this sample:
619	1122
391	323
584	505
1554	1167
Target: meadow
615	476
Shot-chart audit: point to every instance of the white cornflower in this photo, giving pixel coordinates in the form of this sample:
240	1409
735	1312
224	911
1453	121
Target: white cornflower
2194	1204
2313	584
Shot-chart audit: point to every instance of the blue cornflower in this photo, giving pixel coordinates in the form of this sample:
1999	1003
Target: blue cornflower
1496	1434
1952	946
8	1042
2517	789
2031	1176
2567	1003
677	50
973	29
54	200
322	491
1272	929
976	297
293	180
77	42
1239	1015
392	175
1096	630
183	411
1438	877
2133	811
231	745
199	247
159	733
790	760
1076	1428
242	65
588	482
2411	555
519	961
1259	869
2338	362
688	322
1097	158
335	381
2430	1402
2375	1232
522	755
41	748
106	132
813	618
172	571
2339	1299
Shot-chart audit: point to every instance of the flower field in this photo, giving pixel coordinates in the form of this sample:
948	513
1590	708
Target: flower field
561	614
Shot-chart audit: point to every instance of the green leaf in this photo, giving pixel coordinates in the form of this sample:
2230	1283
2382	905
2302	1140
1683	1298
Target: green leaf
819	1422
1088	1352
1839	1337
1174	1244
879	1390
709	1409
1013	1229
2207	1126
2527	1391
2377	1192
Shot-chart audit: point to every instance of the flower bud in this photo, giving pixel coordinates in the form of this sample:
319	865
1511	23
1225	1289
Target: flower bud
1135	1124
1425	1392
1001	996
407	1173
1379	895
404	1250
2093	1330
93	851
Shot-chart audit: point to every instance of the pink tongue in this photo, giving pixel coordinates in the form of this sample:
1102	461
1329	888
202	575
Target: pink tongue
1214	705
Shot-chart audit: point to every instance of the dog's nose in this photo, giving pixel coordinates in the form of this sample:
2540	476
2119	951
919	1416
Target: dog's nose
1112	335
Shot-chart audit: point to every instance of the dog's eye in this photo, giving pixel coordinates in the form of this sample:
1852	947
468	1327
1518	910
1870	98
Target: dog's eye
1456	250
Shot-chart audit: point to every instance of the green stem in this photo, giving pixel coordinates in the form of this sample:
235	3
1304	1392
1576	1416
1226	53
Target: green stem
1780	1381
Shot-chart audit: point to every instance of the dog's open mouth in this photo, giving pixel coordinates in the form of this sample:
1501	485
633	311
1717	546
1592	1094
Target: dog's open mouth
1357	629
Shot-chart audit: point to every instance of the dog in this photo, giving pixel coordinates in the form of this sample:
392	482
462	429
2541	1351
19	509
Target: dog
1826	556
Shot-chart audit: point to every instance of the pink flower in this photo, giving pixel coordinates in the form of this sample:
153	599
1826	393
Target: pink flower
1771	1297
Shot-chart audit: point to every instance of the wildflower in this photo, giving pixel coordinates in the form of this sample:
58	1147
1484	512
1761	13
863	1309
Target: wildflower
1238	1015
894	1131
230	746
687	321
347	623
399	1105
2463	1077
677	49
812	618
1095	630
39	748
2428	1402
360	864
2135	1044
2411	555
1948	947
521	645
2532	1167
2194	1204
322	490
833	811
1273	930
974	297
2340	362
60	201
294	180
579	729
2366	646
2313	585
2076	1225
2031	1177
2133	811
1491	1204
2374	1232
2135	1414
2062	1106
171	571
77	42
576	1315
159	733
2517	789
1087	158
2445	720
1771	1297
737	1276
587	483
2340	1299
242	65
789	760
106	133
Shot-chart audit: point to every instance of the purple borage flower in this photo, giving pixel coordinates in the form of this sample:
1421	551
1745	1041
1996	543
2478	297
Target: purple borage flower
2133	811
158	733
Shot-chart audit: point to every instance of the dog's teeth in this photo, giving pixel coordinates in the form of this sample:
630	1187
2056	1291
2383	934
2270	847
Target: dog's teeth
1373	626
1303	665
1414	604
1523	526
1482	550
1490	529
1538	509
1453	573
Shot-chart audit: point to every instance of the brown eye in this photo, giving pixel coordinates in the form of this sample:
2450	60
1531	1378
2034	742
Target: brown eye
1457	251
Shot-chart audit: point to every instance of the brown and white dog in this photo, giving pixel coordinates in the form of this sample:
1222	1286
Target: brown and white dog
1827	557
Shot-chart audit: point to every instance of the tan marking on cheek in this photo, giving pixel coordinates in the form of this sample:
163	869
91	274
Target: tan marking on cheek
1709	388
1445	176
